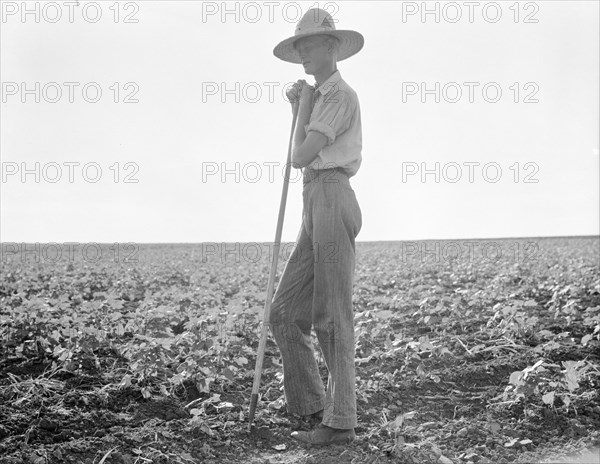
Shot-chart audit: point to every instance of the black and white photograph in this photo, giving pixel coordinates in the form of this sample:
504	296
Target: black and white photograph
300	232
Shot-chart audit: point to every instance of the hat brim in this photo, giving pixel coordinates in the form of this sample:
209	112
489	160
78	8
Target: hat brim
351	42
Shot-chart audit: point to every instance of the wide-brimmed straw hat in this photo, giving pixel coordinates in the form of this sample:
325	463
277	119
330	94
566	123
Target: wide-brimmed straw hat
317	21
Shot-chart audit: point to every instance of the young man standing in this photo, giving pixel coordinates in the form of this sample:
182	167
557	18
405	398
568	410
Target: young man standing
315	289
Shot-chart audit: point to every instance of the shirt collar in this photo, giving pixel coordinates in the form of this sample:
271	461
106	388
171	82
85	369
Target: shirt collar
329	83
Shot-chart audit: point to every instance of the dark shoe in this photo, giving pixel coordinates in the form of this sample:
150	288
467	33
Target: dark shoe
323	435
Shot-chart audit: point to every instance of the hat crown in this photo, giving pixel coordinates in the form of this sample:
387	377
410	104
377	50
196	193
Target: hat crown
315	20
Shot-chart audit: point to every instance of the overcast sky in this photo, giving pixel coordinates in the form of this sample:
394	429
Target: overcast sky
177	159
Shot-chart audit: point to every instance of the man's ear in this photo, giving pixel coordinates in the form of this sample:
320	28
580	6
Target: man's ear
332	44
330	47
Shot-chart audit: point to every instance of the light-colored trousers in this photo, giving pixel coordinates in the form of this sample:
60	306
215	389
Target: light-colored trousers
315	291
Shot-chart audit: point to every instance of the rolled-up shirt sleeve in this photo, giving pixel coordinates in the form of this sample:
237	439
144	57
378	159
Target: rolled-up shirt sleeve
333	117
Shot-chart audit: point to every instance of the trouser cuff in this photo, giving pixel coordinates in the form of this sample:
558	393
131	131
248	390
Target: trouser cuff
340	422
306	409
